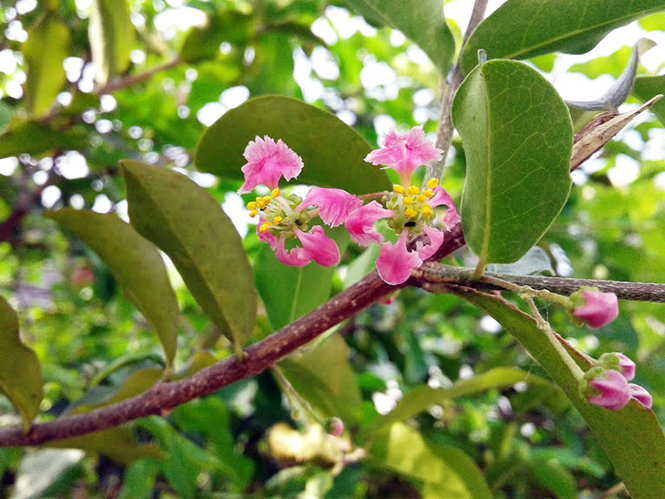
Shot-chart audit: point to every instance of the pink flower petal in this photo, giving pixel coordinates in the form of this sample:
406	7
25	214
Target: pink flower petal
395	262
599	310
404	153
614	391
360	223
334	204
640	394
296	257
319	247
267	162
266	237
441	197
435	237
627	366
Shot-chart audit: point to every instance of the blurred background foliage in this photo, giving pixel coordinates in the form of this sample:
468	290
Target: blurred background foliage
178	67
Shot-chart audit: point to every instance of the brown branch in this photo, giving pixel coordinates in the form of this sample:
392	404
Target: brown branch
137	78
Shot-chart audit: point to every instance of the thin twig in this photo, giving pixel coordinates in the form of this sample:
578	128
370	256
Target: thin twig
137	78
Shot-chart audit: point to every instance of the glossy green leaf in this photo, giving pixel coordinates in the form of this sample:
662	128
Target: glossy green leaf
333	153
290	292
421	20
630	437
647	87
111	36
324	378
517	137
20	373
35	138
445	471
227	26
185	222
134	263
520	29
423	397
44	51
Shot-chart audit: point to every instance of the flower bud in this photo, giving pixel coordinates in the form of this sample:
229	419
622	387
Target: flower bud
596	309
335	427
640	394
607	388
618	362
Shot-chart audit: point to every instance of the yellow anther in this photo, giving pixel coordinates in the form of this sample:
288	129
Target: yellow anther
398	189
408	201
410	212
432	183
413	191
251	205
275	193
421	199
428	194
426	210
267	199
277	220
265	227
253	213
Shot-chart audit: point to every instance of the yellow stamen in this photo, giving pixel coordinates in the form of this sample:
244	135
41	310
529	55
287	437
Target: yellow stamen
408	201
421	199
410	212
253	213
265	227
413	190
398	189
426	210
267	199
277	220
428	194
275	193
251	205
432	183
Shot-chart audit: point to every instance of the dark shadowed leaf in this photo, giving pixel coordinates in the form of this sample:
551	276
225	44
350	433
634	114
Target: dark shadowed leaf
517	137
630	437
333	152
324	378
44	51
34	138
446	472
185	222
20	373
520	29
421	20
135	263
111	36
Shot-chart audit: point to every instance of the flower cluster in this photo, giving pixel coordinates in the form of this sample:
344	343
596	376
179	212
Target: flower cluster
607	384
410	211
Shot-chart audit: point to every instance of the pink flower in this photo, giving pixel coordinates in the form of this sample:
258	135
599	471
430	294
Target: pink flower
360	223
396	262
610	390
599	308
640	394
334	204
618	362
315	246
267	162
442	198
405	153
335	426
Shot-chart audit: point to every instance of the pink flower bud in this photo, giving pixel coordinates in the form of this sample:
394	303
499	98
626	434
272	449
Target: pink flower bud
335	427
640	394
618	362
598	309
609	389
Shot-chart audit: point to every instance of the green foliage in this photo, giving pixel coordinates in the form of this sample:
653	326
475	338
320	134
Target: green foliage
111	35
518	137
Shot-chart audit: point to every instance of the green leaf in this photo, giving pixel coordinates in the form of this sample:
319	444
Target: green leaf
134	263
421	20
185	222
647	87
445	471
138	481
20	373
554	477
423	397
520	29
536	261
35	139
227	26
44	51
630	437
333	152
111	36
517	137
290	292
324	378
